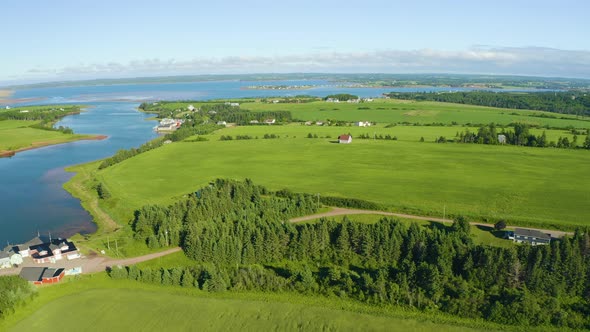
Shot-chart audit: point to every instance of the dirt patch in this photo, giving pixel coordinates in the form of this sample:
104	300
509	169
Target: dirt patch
421	113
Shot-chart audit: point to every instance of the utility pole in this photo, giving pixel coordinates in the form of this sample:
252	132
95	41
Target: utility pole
167	244
444	211
117	246
108	243
318	200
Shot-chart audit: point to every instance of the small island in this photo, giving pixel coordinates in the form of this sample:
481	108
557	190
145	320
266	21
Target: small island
279	87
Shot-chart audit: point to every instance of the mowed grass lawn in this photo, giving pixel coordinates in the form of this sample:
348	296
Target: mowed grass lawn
394	111
16	134
100	304
524	185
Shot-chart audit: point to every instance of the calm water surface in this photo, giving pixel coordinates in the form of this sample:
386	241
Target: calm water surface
31	195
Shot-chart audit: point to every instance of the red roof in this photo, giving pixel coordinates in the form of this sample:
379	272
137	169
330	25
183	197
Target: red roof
344	137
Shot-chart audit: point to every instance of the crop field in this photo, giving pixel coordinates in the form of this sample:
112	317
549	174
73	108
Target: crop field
16	134
121	305
400	111
386	111
523	185
402	133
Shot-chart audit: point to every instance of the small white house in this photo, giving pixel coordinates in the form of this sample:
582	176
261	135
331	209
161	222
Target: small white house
362	124
319	123
254	122
16	259
190	108
344	139
232	104
269	121
502	139
7	107
221	123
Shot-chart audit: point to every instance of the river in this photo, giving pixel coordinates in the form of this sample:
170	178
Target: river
31	195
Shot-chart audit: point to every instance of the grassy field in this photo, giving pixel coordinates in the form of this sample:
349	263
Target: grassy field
525	185
386	111
122	305
17	134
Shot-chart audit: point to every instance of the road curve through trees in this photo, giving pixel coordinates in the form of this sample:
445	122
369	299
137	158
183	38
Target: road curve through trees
343	212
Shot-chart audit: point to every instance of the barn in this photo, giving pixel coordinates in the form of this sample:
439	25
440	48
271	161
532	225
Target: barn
42	275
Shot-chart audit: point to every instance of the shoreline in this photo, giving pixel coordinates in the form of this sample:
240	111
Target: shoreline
37	145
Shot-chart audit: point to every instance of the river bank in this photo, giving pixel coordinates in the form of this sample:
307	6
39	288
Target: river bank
37	145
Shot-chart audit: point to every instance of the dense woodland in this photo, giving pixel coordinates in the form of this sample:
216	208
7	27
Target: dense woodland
239	237
558	102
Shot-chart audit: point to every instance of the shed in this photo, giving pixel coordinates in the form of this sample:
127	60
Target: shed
344	139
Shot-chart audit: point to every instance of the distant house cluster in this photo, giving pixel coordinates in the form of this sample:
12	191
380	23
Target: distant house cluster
39	252
362	124
232	104
169	124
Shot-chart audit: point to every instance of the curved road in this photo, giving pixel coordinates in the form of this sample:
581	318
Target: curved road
343	212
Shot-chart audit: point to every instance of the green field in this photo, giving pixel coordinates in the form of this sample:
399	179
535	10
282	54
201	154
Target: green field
520	184
386	111
17	134
122	305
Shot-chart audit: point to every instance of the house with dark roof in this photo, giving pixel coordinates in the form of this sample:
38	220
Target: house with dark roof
531	236
42	275
54	250
344	139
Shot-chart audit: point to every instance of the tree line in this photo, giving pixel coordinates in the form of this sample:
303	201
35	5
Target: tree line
14	291
557	102
239	236
519	136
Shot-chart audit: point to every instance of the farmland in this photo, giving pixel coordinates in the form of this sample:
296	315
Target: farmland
31	127
481	181
122	305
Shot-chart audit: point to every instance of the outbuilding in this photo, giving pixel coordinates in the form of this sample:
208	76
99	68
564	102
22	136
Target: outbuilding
345	139
42	275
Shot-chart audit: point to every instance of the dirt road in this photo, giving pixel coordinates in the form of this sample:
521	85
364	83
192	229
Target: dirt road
90	264
343	212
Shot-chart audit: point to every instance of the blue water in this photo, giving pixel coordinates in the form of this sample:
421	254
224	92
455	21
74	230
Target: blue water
31	195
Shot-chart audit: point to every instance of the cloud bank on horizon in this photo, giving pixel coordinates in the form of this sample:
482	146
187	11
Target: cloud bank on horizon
527	61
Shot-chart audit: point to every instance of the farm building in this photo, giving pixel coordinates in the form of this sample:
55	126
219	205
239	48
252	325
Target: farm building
502	139
42	275
269	121
362	124
344	139
221	123
534	237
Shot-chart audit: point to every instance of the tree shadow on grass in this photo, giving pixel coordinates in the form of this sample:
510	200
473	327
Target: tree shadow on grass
493	231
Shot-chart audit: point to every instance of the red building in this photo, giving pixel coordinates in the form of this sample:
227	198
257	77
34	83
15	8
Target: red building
42	275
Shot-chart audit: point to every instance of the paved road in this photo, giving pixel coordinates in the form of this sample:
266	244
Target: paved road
342	212
90	264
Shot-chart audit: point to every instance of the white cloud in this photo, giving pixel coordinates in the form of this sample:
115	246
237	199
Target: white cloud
535	61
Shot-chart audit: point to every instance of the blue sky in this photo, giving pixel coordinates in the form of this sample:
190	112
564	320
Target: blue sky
52	40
